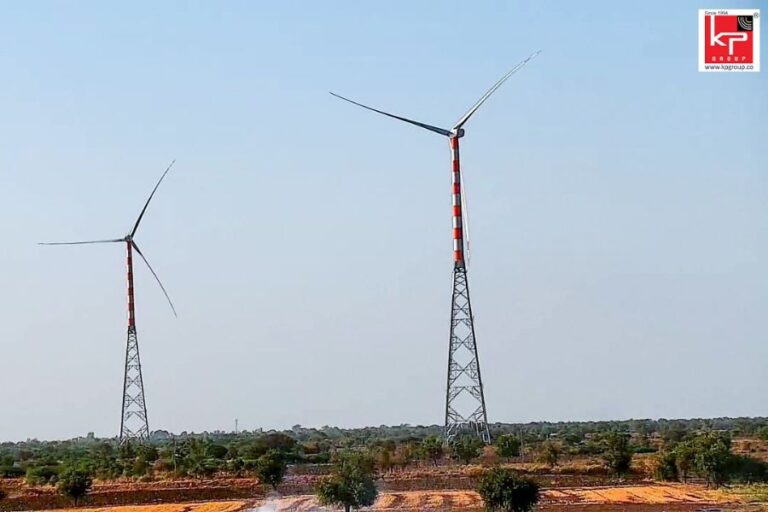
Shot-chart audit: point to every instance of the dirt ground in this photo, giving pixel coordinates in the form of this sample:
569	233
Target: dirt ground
631	498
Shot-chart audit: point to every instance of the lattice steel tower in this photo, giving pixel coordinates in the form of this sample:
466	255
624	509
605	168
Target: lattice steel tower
464	399
134	424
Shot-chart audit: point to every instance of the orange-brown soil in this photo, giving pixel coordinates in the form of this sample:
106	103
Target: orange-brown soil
580	484
672	497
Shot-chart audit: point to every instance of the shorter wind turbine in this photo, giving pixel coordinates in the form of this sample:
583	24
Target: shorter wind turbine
133	422
465	399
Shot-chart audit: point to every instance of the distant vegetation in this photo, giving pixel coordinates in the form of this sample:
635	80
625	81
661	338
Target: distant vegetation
708	456
681	449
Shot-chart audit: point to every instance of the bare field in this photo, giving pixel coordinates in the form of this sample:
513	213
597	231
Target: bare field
639	498
212	506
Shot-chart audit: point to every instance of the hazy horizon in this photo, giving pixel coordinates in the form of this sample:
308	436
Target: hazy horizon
231	430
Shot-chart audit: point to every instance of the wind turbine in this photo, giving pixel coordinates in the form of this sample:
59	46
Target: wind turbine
134	424
464	400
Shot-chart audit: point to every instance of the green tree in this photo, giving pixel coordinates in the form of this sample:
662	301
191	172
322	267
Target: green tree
508	446
432	449
140	466
405	454
126	451
713	455
236	466
384	457
747	470
216	451
149	452
550	452
466	449
75	483
350	484
42	475
685	459
270	468
12	472
502	490
666	466
617	454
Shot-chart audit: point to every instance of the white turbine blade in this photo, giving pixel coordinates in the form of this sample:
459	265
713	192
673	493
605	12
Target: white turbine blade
85	242
465	221
490	91
138	221
429	127
136	247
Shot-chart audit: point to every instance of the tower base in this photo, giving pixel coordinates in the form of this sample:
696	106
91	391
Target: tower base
464	402
133	424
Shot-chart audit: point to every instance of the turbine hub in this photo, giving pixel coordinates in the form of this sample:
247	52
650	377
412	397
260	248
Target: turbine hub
458	133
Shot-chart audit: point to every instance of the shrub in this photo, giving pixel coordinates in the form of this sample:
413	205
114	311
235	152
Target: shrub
508	446
617	454
502	490
685	459
747	470
163	465
11	472
550	452
75	483
432	449
270	468
42	475
466	449
665	467
350	483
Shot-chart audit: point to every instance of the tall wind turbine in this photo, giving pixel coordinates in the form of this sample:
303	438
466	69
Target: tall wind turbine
134	424
464	399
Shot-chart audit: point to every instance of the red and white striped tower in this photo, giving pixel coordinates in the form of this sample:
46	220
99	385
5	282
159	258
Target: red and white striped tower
465	401
133	423
458	226
131	309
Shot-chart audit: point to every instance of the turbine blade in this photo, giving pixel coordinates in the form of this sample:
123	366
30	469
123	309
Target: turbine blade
490	91
136	248
138	221
85	242
431	128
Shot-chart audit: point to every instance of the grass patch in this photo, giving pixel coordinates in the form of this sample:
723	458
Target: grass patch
754	493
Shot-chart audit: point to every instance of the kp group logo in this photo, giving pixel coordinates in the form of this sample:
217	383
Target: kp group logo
729	40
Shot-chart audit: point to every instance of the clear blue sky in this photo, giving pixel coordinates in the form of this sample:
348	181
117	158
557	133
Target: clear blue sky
617	202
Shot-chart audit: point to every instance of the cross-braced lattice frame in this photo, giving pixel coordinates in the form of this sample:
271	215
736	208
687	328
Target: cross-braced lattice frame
465	401
134	424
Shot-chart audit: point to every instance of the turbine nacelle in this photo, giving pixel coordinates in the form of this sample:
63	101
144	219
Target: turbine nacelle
457	133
